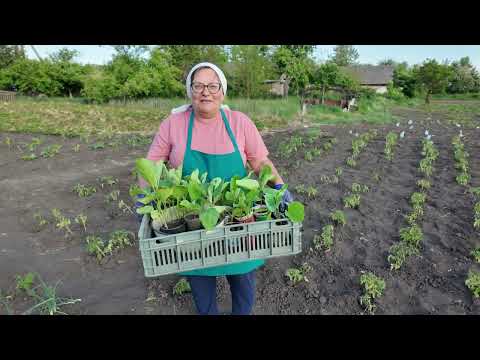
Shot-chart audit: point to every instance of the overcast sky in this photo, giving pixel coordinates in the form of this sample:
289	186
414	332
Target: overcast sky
372	54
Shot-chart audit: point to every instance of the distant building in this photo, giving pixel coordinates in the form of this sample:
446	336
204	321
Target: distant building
278	87
371	76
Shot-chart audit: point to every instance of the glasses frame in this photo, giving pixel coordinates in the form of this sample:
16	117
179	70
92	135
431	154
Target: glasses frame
205	86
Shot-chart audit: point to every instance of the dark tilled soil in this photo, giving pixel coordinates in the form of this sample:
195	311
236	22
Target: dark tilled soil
432	283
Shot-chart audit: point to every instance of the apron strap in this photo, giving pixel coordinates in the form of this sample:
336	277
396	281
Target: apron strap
225	122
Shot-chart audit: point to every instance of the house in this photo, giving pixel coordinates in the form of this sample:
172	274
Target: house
371	76
278	87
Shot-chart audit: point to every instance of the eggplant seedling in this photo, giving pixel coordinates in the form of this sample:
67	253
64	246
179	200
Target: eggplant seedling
374	287
311	192
357	188
107	180
338	216
76	148
50	151
83	190
338	171
352	201
476	254
124	207
38	217
424	184
113	196
399	253
325	239
298	275
82	220
29	157
473	283
25	283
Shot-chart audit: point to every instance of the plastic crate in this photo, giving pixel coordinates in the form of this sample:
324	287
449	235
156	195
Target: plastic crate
230	244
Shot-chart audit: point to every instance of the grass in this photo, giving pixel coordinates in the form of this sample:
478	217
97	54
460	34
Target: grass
464	114
74	117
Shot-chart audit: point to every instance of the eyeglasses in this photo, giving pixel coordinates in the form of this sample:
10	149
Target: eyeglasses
213	88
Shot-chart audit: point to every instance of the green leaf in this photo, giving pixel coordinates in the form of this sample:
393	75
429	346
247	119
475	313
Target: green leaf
209	218
271	202
295	211
194	191
149	171
145	210
248	184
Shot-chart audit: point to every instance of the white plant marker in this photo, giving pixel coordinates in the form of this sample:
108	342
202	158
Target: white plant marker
410	122
411	127
402	134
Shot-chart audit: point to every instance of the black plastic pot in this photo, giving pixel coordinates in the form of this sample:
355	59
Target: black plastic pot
175	227
193	222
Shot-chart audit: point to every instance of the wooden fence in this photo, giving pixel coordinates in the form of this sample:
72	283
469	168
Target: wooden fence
7	96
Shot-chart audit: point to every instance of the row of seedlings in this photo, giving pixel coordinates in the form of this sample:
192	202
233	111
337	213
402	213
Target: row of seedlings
412	235
359	144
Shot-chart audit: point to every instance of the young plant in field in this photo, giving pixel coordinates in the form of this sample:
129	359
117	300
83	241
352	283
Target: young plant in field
181	287
95	246
351	162
476	254
311	192
390	143
48	302
352	201
426	167
119	239
300	188
476	216
476	192
84	190
124	207
29	157
377	177
357	188
76	148
97	146
473	283
338	171
463	179
338	217
107	180
33	145
412	235
373	287
25	283
327	146
325	179
461	161
424	184
112	196
9	142
50	151
62	222
82	220
298	275
38	217
325	239
399	254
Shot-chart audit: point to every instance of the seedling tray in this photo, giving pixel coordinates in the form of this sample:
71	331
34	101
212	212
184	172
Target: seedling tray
201	249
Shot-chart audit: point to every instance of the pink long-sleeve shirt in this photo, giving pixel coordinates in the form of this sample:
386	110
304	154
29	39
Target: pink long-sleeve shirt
208	136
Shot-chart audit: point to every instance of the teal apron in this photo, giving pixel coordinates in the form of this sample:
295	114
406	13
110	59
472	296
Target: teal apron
224	166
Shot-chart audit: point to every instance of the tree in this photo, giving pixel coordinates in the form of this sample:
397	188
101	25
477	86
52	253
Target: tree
387	62
464	77
250	68
326	75
185	57
9	54
66	71
345	55
404	79
433	77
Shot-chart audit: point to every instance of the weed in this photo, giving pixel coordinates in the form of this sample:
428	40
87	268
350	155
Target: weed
352	201
473	283
25	283
48	302
338	217
374	287
83	190
181	287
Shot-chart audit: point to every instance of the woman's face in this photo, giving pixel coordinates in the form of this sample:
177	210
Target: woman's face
205	102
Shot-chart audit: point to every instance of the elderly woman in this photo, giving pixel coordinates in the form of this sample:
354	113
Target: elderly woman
206	135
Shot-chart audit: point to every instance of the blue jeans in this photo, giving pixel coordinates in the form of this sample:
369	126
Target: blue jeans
242	287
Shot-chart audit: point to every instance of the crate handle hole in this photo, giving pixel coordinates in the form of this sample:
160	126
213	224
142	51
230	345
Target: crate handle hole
281	222
237	228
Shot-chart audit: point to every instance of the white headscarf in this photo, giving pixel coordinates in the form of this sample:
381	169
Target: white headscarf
188	84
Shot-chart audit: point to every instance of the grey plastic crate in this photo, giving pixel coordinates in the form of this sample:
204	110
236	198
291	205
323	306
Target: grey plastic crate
231	244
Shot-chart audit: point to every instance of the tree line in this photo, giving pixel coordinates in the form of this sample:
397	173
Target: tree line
139	71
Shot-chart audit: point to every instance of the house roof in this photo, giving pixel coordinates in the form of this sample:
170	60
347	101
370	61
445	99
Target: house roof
370	74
